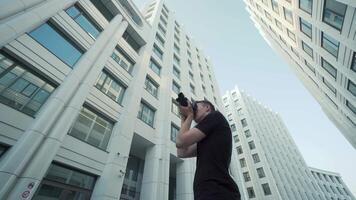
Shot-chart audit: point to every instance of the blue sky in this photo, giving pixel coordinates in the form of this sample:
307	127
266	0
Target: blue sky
241	57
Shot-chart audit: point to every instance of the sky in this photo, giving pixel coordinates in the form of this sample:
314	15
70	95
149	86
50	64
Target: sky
241	57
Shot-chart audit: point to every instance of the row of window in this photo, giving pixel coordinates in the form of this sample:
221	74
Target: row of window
265	187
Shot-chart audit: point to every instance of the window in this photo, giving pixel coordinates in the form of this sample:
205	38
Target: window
306	5
146	113
176	38
306	27
247	133
151	87
334	13
176	72
176	60
158	51
189	54
175	108
309	66
174	132
329	85
103	9
155	67
288	15
307	49
3	149
191	64
269	17
239	150
329	68
175	87
57	43
204	89
92	128
275	6
160	40
84	21
260	172
266	189
291	35
131	187
247	177
121	58
233	127
63	182
202	77
251	192
161	29
176	30
243	162
351	87
353	64
20	88
192	88
108	85
176	48
191	76
244	122
163	20
236	138
251	145
279	24
256	158
330	44
131	41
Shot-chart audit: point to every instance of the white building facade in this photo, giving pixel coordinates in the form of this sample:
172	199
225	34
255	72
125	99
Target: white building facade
269	162
332	184
86	100
318	40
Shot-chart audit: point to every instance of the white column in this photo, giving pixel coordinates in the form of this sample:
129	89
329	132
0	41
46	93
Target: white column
33	153
185	178
29	19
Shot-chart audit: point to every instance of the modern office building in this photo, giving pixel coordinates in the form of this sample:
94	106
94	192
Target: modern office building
269	161
318	40
331	184
86	100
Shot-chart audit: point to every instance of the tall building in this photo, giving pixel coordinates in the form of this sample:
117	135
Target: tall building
332	184
269	161
86	92
317	38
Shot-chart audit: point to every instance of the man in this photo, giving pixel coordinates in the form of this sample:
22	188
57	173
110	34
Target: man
211	142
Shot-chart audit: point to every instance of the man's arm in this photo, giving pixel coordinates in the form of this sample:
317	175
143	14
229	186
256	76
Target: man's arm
188	152
186	136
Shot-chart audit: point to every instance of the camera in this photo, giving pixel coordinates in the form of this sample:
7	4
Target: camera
183	101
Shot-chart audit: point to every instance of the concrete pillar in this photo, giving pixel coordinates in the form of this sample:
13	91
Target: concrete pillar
17	25
185	178
25	161
9	8
236	174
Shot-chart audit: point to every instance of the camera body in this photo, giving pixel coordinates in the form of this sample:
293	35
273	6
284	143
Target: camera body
183	101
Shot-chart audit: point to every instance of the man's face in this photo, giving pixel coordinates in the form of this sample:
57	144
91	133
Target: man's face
202	111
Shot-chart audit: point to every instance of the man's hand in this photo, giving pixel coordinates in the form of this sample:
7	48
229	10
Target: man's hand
186	111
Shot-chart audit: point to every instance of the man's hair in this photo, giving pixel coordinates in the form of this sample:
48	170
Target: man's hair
207	103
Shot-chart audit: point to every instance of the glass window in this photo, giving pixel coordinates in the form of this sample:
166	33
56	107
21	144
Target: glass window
146	114
243	162
175	87
133	179
330	44
103	9
275	6
309	66
62	182
233	127
176	60
21	89
164	12
175	108
3	149
191	76
155	67
158	51
306	5
260	172
306	27
121	58
160	40
113	88
174	132
288	15
236	138
151	87
176	38
57	43
251	192
239	150
92	128
353	64
329	68
163	20
279	24
84	21
192	88
269	17
176	72
351	87
291	35
256	158
247	133
161	29
247	177
334	13
307	49
329	85
266	189
204	89
131	41
251	145
244	122
176	48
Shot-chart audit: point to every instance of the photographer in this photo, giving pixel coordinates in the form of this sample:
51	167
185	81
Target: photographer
211	142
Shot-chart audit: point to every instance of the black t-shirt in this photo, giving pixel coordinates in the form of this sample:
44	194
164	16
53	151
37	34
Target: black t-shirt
212	180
